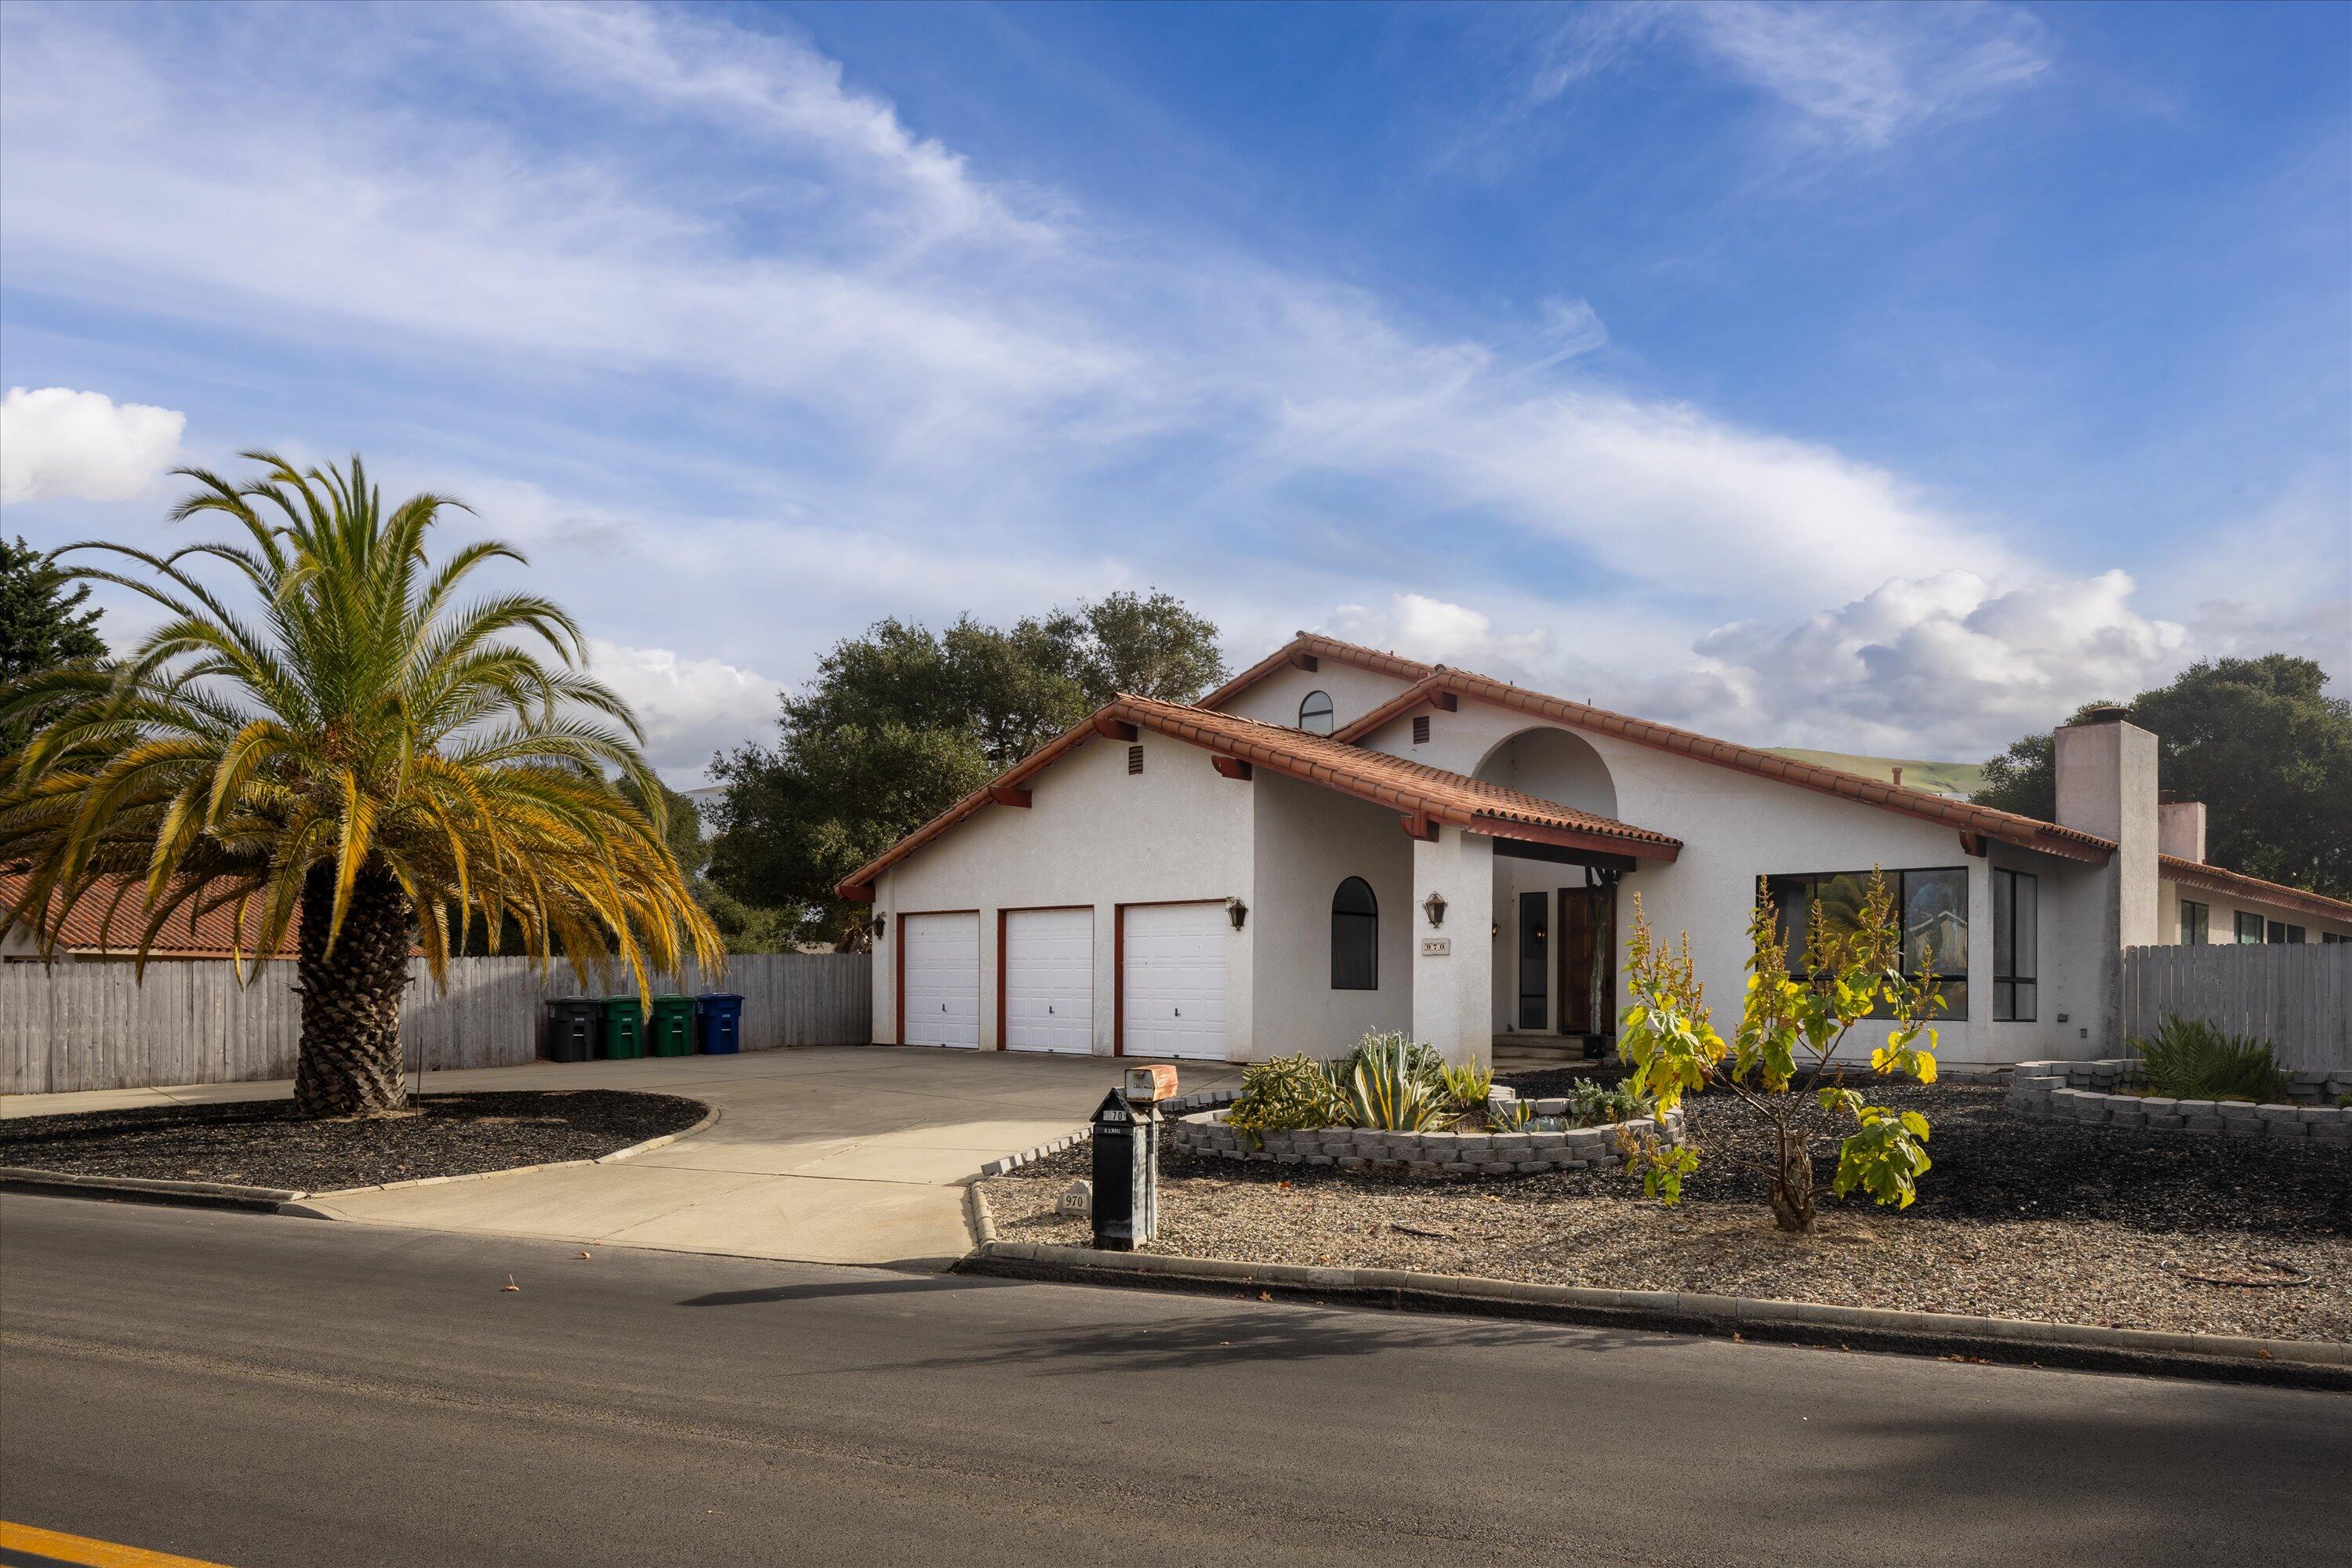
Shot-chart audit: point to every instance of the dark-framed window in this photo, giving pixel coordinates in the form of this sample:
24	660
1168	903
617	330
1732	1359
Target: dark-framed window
2329	936
2281	931
2016	944
2249	928
1355	937
1315	713
1933	905
2196	923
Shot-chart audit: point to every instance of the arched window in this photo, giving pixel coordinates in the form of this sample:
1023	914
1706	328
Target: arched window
1355	937
1315	713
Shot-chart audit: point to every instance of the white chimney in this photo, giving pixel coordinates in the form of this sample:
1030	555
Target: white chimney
2107	786
2180	829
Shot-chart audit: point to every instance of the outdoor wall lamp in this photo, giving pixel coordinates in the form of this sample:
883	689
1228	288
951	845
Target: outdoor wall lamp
1434	907
1238	911
881	924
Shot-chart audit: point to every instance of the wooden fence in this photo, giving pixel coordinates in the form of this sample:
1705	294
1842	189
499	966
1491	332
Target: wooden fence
90	1026
2299	998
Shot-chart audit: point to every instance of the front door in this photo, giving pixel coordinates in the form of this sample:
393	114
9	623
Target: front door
1588	961
1535	961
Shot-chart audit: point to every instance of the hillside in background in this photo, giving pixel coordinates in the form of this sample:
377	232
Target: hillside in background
1961	779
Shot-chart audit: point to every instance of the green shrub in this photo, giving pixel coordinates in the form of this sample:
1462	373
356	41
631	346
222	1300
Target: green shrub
1288	1094
1589	1102
2190	1058
1509	1115
1467	1087
1397	1086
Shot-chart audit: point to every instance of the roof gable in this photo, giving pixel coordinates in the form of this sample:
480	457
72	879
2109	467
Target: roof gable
1422	796
1306	651
2025	832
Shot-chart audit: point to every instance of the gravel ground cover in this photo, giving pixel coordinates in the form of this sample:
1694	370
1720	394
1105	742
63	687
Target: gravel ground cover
2018	1218
262	1144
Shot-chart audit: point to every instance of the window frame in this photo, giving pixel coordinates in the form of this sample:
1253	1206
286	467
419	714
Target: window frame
2197	932
2247	927
1953	985
1329	710
2016	996
1364	926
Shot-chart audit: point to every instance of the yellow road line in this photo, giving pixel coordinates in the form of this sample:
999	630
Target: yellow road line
63	1548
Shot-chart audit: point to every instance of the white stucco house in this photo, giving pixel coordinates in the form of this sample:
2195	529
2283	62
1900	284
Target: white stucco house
1340	840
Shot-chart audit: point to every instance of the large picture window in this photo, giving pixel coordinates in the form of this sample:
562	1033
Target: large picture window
1355	937
1933	906
2016	934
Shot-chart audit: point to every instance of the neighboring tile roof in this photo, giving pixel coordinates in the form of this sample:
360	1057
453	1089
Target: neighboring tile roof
1412	789
1317	645
102	922
2214	878
2008	826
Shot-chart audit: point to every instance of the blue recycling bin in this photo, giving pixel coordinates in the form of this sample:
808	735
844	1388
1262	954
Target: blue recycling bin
719	1023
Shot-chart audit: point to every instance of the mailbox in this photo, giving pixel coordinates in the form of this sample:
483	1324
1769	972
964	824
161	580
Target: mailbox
1147	1085
1126	1183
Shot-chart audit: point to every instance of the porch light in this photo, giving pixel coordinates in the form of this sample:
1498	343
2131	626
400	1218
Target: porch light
1434	907
1238	911
881	924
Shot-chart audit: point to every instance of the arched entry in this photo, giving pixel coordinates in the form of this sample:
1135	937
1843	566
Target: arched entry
1556	973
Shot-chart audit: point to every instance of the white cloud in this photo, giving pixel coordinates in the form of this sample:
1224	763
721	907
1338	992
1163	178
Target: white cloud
689	707
59	443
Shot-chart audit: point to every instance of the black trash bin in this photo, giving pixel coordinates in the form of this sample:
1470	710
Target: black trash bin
571	1029
719	1023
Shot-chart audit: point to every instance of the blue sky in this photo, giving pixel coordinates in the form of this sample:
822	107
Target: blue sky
1885	379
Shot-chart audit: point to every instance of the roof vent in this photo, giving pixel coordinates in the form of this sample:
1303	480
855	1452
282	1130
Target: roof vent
1421	730
1135	759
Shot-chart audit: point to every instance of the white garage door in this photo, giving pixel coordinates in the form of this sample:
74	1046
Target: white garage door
1175	981
943	959
1049	980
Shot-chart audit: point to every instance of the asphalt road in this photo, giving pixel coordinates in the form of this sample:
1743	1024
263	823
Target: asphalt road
263	1391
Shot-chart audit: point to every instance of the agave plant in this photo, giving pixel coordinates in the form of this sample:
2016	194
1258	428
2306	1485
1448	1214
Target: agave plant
2188	1058
1391	1089
1467	1087
357	748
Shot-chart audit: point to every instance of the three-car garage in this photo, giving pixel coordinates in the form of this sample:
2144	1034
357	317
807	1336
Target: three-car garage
1165	972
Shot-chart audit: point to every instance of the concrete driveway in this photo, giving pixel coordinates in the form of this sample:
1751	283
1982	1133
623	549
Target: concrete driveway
853	1155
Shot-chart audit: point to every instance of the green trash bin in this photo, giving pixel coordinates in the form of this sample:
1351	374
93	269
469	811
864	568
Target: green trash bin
673	1025
624	1027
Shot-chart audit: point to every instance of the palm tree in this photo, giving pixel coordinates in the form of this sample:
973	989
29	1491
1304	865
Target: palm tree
357	748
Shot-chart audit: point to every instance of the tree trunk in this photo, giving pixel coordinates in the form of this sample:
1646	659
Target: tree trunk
350	1060
1792	1185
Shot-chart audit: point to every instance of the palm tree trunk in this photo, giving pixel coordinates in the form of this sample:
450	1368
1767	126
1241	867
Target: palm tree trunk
350	1060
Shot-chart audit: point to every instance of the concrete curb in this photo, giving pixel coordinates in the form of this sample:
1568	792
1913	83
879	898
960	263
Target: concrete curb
286	1201
2078	1346
978	1217
1182	1105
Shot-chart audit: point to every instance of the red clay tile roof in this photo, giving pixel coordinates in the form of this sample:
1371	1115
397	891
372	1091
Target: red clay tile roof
1317	645
2009	827
100	922
2214	878
1412	789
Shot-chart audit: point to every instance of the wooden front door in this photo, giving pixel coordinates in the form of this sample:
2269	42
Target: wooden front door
1588	934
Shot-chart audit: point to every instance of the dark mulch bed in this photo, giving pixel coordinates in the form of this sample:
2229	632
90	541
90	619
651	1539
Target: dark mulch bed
262	1144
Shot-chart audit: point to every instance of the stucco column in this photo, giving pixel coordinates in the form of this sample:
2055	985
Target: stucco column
1453	963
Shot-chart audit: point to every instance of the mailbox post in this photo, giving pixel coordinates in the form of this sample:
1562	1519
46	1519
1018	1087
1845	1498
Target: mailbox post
1127	1160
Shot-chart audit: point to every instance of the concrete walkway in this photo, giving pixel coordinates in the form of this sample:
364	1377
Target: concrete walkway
819	1155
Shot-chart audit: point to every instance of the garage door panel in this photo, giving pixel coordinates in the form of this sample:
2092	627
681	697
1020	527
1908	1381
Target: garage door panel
1174	981
942	953
1049	981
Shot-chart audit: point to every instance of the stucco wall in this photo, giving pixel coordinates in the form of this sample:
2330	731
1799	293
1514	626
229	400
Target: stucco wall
1737	828
2225	907
1307	841
1354	693
1093	834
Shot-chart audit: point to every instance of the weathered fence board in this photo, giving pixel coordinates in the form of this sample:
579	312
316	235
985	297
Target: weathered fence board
2297	997
90	1026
